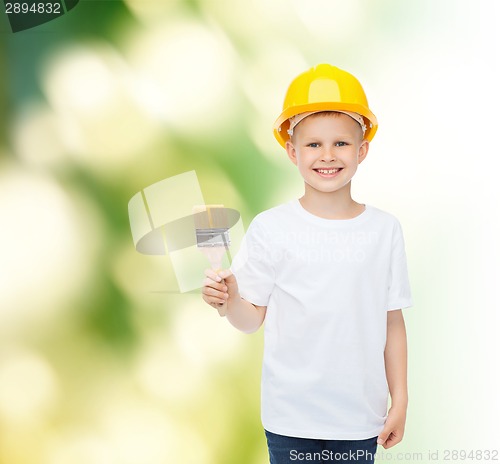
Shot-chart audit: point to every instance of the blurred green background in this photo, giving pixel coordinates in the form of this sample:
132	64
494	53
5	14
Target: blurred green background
101	359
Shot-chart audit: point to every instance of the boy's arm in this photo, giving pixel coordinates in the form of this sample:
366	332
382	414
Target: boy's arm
396	371
244	315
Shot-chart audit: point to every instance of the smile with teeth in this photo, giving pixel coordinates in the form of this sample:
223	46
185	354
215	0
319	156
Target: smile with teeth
328	171
332	172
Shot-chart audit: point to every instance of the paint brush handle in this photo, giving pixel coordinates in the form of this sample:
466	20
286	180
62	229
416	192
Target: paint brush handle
221	308
214	255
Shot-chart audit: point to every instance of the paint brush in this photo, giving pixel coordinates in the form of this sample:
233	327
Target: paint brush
212	235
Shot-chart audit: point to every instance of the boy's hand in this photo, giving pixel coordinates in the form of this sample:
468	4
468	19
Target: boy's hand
394	428
218	288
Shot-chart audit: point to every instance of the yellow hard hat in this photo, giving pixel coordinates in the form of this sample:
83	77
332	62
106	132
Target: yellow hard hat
324	88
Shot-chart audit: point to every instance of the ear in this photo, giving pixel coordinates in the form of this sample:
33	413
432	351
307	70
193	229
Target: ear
363	150
290	150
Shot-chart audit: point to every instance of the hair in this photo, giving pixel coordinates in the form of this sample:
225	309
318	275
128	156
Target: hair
323	114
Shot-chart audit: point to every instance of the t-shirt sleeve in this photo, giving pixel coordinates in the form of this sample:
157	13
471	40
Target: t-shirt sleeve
252	265
399	296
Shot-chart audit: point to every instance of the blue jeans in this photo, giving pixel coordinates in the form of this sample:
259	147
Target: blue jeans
289	450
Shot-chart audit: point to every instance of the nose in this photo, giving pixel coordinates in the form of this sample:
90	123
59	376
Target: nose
328	154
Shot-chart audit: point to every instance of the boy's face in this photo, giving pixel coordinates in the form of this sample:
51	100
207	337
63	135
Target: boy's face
327	141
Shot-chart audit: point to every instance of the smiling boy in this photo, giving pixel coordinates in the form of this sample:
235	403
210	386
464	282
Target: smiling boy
329	277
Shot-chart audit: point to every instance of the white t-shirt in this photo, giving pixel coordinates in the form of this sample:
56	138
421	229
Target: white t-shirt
327	285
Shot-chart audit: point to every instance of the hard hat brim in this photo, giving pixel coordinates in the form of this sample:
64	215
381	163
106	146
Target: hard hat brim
282	124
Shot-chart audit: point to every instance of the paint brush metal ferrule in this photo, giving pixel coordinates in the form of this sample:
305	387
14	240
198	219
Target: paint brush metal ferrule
212	237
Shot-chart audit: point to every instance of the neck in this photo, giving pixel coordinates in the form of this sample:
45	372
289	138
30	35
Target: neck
331	205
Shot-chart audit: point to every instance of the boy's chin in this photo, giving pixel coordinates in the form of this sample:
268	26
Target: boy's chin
317	187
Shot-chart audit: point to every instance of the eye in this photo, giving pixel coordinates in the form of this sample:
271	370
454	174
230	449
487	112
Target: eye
341	144
313	145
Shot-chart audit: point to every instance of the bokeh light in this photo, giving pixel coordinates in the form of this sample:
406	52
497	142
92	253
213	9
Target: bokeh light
186	68
37	137
332	19
90	89
28	387
48	249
